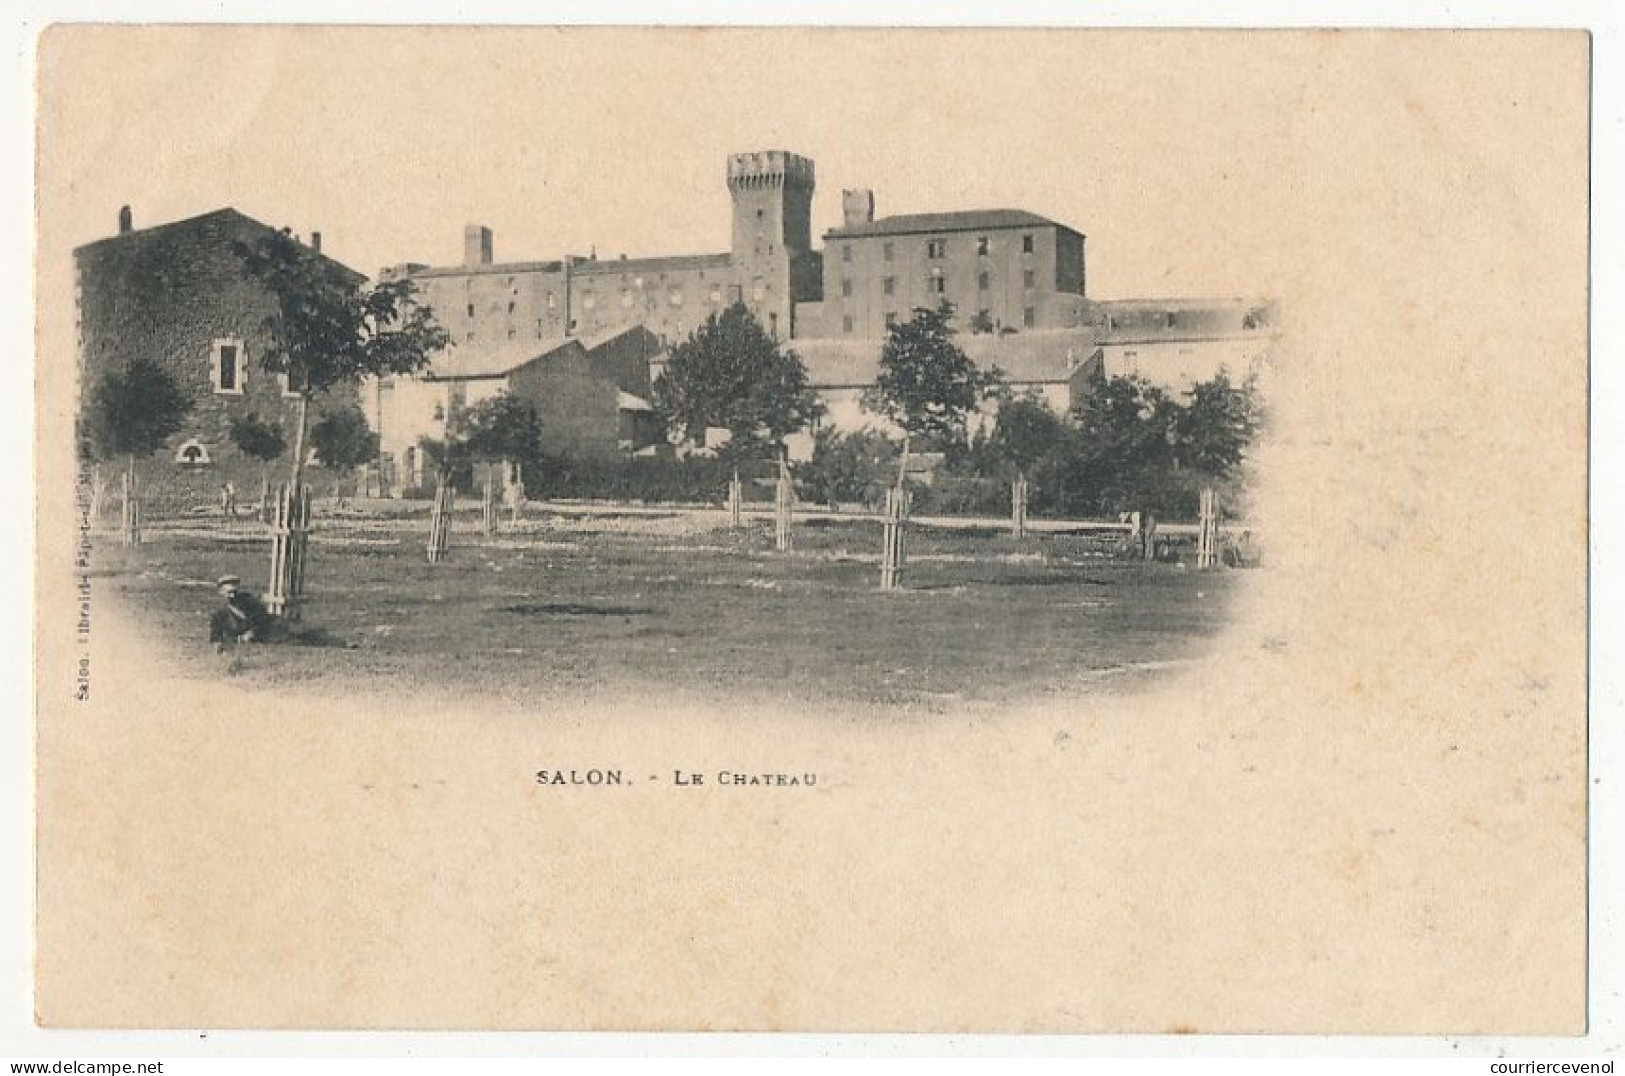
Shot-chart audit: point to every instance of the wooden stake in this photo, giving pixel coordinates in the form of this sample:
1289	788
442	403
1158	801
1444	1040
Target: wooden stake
488	505
892	554
783	500
98	493
516	493
130	517
1207	531
440	521
290	537
736	498
1018	506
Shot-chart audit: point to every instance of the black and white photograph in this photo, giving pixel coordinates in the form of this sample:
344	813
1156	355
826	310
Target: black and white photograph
812	529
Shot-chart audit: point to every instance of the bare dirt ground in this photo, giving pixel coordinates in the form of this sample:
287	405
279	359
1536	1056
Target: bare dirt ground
569	600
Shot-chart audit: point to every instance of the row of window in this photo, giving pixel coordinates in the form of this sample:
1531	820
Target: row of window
937	249
228	369
1029	319
938	283
674	297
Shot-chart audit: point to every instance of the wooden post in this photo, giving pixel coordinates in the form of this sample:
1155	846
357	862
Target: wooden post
515	492
98	493
488	505
892	554
130	517
736	499
440	521
784	497
1018	506
1207	531
290	537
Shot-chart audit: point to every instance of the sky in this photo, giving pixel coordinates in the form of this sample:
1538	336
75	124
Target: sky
1161	148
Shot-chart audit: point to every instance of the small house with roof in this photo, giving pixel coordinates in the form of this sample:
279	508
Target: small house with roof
592	396
180	295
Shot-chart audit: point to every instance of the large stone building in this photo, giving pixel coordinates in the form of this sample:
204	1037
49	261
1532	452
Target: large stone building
770	268
998	268
1017	282
583	336
179	294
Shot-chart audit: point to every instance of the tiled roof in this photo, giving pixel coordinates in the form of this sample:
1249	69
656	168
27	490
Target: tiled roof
471	360
579	266
651	265
1028	358
226	220
1119	321
481	270
594	341
970	220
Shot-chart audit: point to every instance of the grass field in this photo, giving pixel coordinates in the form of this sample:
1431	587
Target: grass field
676	601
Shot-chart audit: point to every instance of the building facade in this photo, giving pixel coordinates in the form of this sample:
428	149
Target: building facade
180	295
770	268
1000	269
1176	343
1017	281
591	396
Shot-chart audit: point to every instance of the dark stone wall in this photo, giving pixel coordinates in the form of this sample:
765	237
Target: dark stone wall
578	406
168	294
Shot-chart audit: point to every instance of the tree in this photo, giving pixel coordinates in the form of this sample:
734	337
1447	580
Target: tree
503	429
263	441
1139	447
926	385
848	467
344	441
132	412
731	374
1214	429
1026	431
255	437
328	329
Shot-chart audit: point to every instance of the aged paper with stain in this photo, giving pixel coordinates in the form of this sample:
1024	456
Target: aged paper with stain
1357	807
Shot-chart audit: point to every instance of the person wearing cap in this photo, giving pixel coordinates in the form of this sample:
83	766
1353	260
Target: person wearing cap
242	618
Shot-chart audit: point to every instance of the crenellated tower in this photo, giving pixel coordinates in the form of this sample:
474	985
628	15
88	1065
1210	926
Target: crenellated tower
773	262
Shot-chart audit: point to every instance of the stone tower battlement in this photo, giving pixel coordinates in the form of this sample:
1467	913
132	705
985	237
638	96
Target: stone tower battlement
768	169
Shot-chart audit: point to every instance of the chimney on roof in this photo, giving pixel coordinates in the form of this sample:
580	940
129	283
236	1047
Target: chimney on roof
125	221
316	242
858	207
476	245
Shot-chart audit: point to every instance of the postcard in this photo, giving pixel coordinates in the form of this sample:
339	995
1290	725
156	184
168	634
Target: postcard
784	529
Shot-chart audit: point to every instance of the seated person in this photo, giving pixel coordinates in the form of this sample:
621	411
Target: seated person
242	618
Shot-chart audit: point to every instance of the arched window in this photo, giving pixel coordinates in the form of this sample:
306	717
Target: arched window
192	453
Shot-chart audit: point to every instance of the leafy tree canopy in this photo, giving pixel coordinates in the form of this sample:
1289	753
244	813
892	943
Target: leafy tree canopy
258	438
848	466
501	428
731	374
927	385
133	411
1214	429
1137	446
1026	430
328	327
343	439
